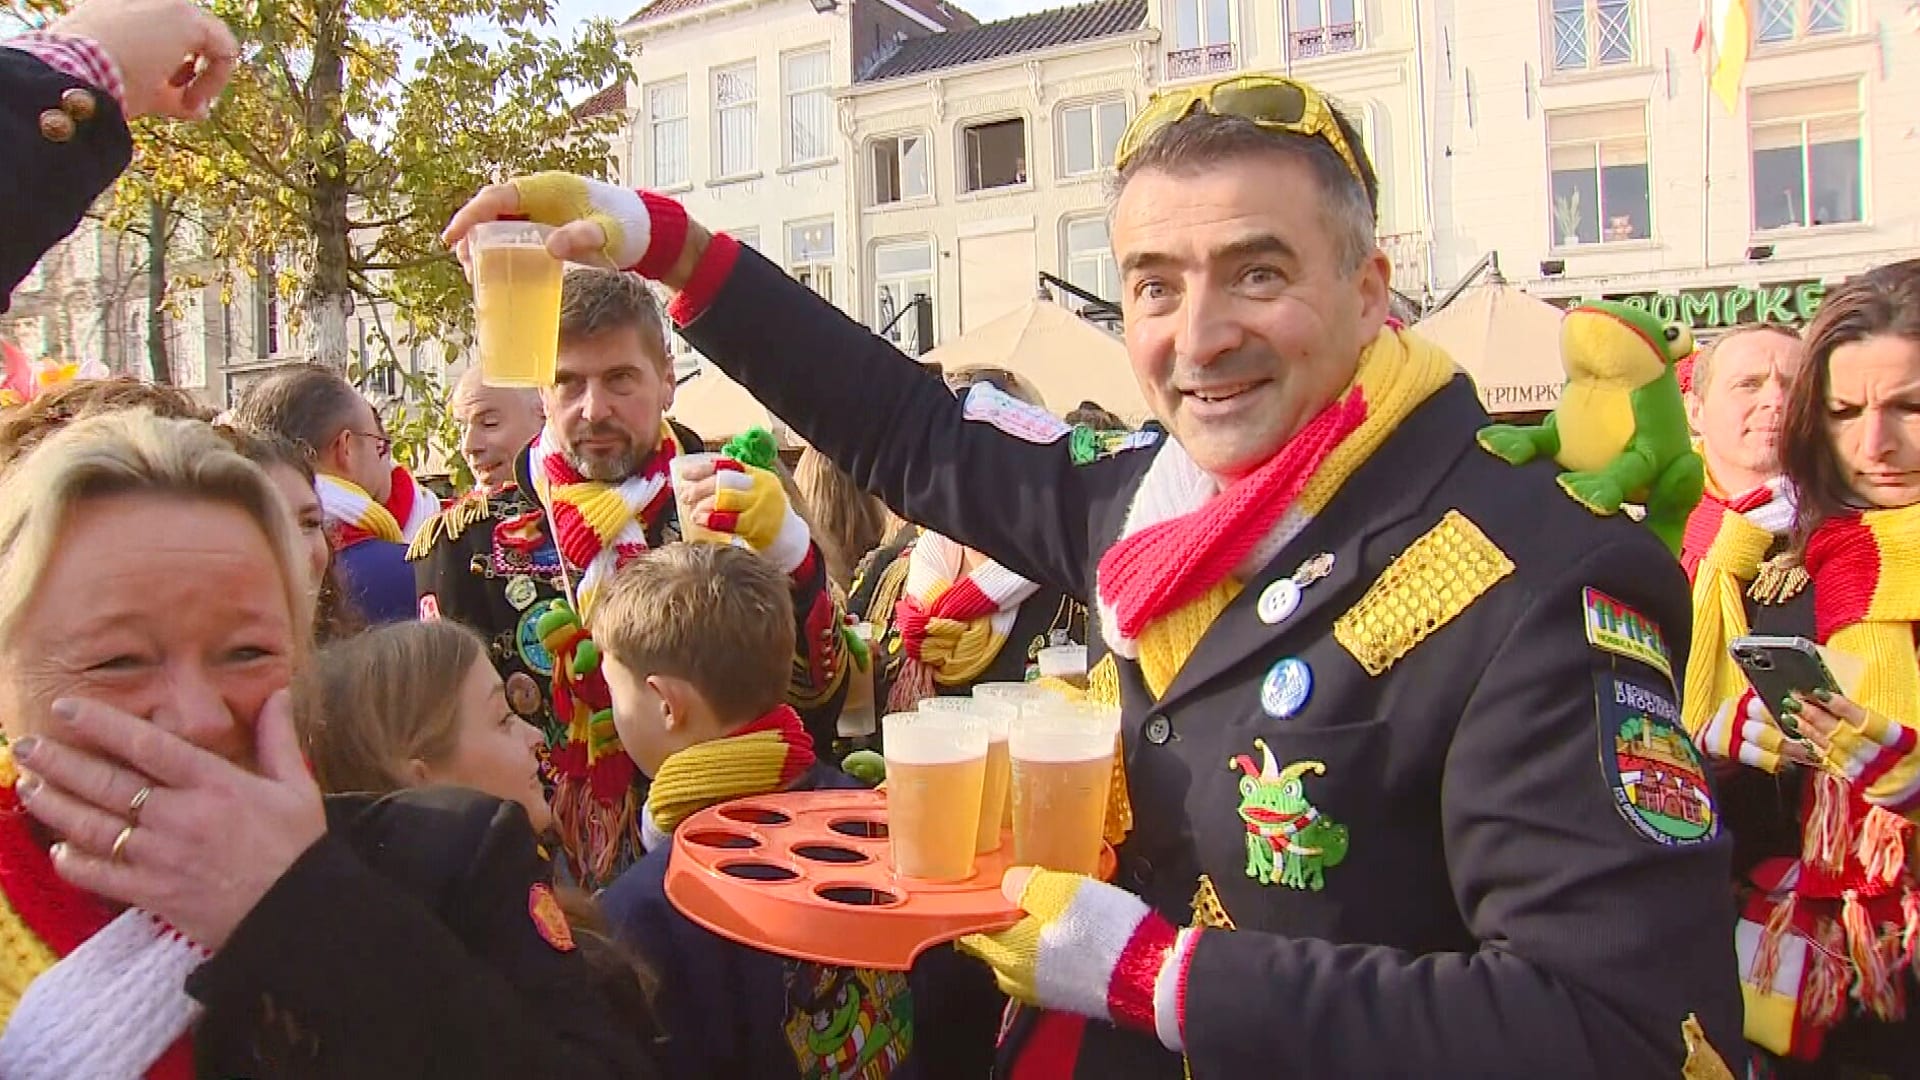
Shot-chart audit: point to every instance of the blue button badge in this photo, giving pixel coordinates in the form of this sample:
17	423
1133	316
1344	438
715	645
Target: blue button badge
1288	685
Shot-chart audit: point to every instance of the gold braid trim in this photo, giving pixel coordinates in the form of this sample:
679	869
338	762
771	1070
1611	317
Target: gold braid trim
450	523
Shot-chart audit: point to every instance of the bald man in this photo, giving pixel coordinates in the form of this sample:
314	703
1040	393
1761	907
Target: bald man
496	423
487	561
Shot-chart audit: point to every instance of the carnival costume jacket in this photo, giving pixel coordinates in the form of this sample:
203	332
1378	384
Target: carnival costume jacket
47	185
1464	690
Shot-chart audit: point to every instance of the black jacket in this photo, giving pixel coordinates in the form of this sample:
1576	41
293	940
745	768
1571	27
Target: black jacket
45	185
402	944
1502	909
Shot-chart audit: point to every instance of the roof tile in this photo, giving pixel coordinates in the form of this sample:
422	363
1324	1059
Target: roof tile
1010	37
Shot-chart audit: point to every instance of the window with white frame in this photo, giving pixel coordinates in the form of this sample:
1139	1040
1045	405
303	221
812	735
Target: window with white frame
810	254
1807	161
1601	190
809	108
1089	134
1323	27
1592	34
667	155
1089	259
746	237
994	154
1780	21
1202	37
901	169
902	275
734	115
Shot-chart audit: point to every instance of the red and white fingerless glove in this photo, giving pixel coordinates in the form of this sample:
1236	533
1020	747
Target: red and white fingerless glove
645	232
1878	757
1743	731
752	505
1089	948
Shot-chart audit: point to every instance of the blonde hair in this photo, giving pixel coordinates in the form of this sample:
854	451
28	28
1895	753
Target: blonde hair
134	452
719	617
375	701
840	512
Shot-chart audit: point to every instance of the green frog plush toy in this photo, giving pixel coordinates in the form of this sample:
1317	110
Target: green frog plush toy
1620	431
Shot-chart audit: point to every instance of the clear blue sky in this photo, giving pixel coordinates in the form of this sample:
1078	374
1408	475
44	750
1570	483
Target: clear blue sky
568	12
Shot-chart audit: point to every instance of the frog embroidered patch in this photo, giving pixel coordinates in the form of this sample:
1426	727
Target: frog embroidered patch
1289	841
847	1022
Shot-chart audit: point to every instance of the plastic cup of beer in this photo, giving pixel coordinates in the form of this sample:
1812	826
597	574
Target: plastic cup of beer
936	768
1062	767
679	468
1068	663
516	302
995	813
1019	694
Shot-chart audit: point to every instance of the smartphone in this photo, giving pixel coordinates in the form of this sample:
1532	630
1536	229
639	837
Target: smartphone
1778	667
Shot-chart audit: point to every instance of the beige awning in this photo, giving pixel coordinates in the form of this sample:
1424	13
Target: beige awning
1067	358
1507	341
717	408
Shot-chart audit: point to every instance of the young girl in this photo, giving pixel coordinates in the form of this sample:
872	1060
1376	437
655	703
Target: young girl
415	704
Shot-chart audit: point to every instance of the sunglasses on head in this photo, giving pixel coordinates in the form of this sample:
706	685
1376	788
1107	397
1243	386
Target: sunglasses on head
1269	101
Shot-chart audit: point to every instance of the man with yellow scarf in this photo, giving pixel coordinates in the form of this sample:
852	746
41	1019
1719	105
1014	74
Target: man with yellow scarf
1408	792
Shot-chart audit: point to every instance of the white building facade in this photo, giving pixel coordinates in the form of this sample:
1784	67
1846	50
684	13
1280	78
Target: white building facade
1578	141
731	109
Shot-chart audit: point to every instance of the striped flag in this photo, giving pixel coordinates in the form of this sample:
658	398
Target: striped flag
1728	24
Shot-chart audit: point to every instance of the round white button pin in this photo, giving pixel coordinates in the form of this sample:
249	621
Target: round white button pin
1279	601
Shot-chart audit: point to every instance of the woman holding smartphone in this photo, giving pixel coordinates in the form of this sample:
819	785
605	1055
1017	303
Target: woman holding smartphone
1826	790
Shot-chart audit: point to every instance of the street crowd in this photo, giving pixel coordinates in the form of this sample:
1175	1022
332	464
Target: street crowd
1434	762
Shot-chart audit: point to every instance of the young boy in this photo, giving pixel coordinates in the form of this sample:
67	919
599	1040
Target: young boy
697	645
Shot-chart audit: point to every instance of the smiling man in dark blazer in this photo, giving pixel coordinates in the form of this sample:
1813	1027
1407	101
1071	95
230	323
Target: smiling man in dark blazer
1405	791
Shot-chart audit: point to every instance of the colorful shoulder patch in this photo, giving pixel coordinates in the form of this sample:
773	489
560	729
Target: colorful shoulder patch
1616	628
548	920
1425	587
988	404
1089	446
1658	779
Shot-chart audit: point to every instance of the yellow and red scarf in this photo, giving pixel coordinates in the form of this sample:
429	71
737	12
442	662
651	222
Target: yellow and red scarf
1843	921
43	920
951	625
353	517
768	755
1724	553
601	526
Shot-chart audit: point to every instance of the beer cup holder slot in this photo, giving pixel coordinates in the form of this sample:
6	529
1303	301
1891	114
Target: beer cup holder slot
721	838
861	828
857	895
759	871
754	815
830	853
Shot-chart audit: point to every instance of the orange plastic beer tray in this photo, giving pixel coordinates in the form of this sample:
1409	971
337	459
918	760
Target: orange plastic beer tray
807	874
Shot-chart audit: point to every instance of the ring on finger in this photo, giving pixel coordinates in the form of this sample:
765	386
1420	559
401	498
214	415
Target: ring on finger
118	852
139	803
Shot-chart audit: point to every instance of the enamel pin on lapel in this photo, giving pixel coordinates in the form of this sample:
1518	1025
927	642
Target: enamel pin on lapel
1288	685
1281	599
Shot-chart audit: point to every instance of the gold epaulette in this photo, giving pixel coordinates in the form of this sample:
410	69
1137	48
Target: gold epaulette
886	593
1425	587
450	523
